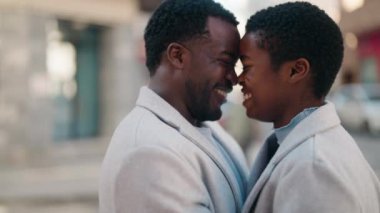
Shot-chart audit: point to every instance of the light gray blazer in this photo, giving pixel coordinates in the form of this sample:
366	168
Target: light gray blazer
158	162
318	168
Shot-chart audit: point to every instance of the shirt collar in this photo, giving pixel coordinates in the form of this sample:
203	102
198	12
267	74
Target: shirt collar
282	132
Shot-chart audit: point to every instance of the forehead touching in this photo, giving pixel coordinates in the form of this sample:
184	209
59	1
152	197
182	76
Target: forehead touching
220	37
251	46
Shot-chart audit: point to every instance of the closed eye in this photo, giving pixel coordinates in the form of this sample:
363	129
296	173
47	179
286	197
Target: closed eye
246	68
227	64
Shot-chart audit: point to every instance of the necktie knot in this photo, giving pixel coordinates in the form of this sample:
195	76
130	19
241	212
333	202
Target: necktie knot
266	153
272	147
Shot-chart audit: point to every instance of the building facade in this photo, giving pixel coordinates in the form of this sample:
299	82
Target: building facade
69	72
361	28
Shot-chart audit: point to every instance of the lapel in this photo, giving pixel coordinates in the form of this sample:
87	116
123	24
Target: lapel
169	115
322	119
234	151
259	164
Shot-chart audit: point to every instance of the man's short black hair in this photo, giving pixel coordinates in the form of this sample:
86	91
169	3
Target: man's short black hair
301	30
176	21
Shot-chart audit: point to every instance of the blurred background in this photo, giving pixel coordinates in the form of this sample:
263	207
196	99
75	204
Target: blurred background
71	70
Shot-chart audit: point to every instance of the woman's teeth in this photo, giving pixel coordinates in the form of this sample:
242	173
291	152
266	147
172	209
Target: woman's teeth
247	96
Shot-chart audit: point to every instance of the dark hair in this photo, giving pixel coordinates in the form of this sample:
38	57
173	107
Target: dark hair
301	30
176	21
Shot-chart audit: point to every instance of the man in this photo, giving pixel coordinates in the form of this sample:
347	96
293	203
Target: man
291	54
163	156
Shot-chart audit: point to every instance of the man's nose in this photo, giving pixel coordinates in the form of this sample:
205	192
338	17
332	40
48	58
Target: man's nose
232	77
240	79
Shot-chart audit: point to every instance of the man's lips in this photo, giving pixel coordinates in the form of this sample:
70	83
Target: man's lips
222	93
223	90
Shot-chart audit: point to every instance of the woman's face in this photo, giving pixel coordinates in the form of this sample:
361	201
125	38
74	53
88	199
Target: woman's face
263	87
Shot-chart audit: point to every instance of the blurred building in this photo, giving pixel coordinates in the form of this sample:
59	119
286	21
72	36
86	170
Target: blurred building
69	71
360	24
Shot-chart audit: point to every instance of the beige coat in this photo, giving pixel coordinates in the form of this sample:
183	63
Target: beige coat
158	162
318	168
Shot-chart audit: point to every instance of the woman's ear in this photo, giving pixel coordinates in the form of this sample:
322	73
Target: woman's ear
299	70
176	54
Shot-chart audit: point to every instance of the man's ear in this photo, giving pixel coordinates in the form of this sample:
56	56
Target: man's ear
299	70
176	54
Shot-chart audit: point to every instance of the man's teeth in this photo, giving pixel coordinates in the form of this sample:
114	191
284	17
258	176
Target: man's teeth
221	92
247	96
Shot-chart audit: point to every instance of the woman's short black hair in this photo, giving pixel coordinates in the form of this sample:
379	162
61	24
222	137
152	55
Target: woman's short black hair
301	30
179	20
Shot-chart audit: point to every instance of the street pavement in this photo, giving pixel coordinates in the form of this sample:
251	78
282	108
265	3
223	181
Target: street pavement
370	146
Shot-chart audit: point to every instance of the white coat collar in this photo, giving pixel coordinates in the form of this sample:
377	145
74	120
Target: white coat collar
149	100
320	120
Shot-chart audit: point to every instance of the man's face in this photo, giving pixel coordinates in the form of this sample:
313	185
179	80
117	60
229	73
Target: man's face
211	73
264	88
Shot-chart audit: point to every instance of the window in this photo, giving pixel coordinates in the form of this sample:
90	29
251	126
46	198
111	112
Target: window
73	66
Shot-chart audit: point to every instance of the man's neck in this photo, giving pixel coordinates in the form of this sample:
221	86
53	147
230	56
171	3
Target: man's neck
170	95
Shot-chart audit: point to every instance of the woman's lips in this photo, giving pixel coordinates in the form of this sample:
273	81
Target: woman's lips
247	96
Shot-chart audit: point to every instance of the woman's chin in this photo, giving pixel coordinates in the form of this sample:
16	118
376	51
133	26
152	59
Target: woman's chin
250	113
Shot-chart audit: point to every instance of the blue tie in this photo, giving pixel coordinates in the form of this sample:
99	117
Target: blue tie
263	159
271	148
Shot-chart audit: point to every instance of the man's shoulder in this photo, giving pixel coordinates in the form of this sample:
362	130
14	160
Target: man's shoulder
137	116
142	122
